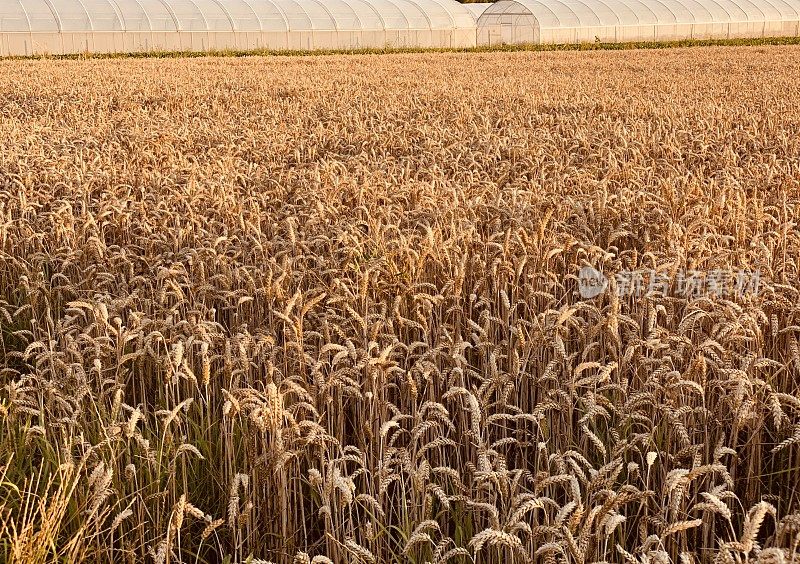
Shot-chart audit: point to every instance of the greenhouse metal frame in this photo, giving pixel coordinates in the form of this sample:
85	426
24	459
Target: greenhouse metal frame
29	27
477	8
36	27
616	21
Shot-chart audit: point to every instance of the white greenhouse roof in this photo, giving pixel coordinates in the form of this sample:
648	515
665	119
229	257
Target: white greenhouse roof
231	15
477	8
593	13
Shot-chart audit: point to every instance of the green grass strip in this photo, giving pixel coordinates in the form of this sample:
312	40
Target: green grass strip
587	46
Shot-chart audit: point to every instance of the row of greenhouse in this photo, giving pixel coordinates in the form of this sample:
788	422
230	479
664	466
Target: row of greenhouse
35	27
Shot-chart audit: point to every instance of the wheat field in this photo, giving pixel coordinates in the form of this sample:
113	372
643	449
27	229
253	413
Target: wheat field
327	309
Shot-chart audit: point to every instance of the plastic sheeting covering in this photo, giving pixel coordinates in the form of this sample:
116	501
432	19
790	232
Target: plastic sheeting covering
477	8
568	21
231	15
30	27
36	27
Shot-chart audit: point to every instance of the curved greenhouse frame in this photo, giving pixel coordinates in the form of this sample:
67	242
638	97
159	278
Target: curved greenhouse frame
575	21
30	27
477	8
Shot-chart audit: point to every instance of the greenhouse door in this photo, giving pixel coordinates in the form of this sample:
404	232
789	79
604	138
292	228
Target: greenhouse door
507	30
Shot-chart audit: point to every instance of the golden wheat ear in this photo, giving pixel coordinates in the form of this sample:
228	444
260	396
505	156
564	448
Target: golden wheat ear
443	307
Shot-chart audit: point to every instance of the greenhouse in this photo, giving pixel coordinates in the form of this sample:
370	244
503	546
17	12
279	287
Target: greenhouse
35	27
574	21
29	27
